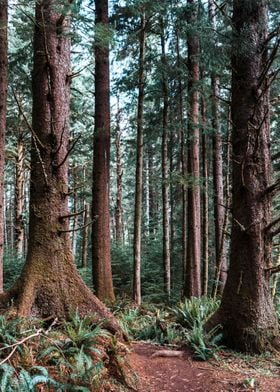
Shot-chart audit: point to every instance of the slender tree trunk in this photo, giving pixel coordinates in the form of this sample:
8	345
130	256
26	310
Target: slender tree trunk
19	198
139	168
246	313
119	173
75	221
183	160
152	196
3	109
193	280
219	210
205	202
50	284
85	236
102	271
165	173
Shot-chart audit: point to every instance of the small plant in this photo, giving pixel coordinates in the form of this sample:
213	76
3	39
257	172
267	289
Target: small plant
194	311
22	380
204	345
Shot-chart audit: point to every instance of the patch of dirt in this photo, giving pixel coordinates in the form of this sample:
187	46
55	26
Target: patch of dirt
179	374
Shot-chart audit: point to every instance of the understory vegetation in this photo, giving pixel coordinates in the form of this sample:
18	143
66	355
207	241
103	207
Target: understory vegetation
79	355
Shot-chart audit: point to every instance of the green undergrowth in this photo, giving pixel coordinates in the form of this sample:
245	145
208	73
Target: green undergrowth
181	324
74	355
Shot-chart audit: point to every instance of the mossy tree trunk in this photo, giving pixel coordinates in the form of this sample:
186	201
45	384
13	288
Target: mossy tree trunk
3	108
246	312
50	284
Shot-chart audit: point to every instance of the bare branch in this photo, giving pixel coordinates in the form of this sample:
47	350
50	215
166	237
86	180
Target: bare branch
68	153
78	228
72	215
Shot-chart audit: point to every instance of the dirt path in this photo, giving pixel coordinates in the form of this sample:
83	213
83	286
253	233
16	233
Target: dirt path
183	374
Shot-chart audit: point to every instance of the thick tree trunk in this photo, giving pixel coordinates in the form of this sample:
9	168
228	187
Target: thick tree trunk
165	173
3	109
50	284
246	312
19	198
192	278
139	169
101	257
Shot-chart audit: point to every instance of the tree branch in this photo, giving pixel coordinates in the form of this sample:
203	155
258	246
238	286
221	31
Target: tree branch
78	228
68	153
72	215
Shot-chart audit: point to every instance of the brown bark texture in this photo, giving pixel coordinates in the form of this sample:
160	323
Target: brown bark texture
101	247
192	277
119	173
246	313
165	172
50	284
3	110
139	169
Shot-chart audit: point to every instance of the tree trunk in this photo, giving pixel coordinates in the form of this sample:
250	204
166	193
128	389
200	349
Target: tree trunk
165	173
19	197
205	202
3	109
85	236
50	284
101	257
119	173
246	312
192	278
139	169
219	210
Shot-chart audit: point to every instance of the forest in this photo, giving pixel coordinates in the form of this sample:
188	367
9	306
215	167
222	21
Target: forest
139	195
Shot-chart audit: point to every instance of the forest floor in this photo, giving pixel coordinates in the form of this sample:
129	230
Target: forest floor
229	373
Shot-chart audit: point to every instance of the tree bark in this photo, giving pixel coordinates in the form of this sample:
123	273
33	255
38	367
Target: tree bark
246	312
3	110
19	197
192	278
219	211
205	202
119	173
50	284
165	172
139	168
85	236
101	257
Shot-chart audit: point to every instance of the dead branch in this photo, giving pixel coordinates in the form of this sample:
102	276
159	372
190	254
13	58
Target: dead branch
77	228
273	270
273	189
72	215
273	223
68	152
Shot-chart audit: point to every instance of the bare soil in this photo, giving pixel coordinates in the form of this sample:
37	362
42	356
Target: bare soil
231	373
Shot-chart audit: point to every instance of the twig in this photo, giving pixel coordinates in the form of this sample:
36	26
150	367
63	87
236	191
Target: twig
72	215
68	153
78	228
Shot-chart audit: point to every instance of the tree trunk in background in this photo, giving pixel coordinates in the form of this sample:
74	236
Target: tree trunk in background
182	160
152	195
192	279
165	172
19	197
119	173
3	109
50	284
205	202
101	257
139	169
75	221
246	312
219	209
85	236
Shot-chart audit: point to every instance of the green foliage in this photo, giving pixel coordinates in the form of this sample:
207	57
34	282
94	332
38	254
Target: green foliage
204	345
195	311
12	380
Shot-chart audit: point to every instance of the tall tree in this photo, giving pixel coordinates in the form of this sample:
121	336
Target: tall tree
192	276
3	108
219	209
165	170
101	258
139	166
50	284
246	312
